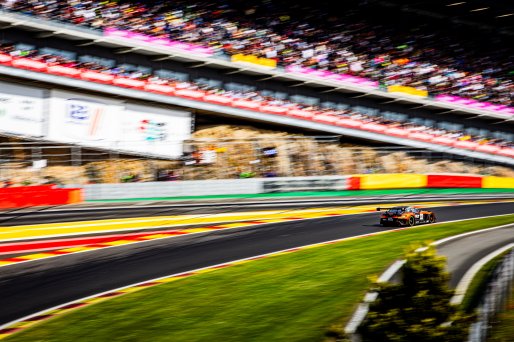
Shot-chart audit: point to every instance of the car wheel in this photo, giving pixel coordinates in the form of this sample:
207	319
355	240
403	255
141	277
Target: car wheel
411	221
431	218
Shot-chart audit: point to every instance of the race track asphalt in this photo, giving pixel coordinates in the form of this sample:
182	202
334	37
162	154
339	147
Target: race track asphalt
34	286
464	252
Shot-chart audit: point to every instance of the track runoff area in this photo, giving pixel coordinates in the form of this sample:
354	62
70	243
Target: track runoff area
139	250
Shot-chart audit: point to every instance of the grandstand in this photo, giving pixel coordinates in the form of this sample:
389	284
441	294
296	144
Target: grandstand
365	81
144	142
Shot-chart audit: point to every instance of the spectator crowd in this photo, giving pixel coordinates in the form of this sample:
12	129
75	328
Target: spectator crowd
256	96
292	34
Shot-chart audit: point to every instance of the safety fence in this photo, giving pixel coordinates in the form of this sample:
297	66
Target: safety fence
495	298
25	163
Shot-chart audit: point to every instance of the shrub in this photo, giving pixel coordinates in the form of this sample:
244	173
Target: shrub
418	309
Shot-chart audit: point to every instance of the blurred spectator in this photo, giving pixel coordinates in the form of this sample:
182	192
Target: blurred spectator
7	183
171	176
130	178
425	57
270	174
208	156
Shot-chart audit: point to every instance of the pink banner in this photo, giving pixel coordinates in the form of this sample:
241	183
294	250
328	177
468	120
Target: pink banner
158	41
474	104
325	74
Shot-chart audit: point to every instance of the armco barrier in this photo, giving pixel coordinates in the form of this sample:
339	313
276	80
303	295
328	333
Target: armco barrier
289	184
172	189
43	195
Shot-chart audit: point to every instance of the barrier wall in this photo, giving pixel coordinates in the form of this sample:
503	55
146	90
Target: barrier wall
156	190
453	181
498	182
391	181
42	195
172	189
405	181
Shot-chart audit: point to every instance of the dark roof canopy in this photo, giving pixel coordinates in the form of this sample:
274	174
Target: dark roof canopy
486	14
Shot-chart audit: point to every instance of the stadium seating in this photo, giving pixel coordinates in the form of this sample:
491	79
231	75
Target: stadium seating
57	65
349	48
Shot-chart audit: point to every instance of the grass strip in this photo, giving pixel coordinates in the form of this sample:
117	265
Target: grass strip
479	284
346	193
503	329
293	297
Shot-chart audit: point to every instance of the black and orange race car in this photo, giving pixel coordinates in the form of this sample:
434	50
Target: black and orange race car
405	216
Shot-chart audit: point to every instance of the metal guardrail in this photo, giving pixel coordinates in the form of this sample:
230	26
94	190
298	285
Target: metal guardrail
495	299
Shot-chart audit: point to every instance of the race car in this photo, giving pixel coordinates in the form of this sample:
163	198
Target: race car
405	216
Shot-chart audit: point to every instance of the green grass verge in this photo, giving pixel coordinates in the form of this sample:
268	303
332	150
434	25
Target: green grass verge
346	193
503	330
293	297
479	284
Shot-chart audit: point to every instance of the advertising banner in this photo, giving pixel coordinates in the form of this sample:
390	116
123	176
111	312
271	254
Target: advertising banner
304	184
407	90
113	124
21	110
251	59
154	130
81	119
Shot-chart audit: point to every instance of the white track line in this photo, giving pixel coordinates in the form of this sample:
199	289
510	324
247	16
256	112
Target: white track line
4	326
361	312
466	280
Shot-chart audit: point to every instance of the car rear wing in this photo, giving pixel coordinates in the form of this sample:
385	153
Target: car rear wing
380	209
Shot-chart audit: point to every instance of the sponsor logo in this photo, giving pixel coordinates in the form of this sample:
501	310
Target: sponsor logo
153	130
304	185
78	111
86	113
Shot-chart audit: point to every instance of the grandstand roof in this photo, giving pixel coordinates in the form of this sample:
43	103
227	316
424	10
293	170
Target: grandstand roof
486	14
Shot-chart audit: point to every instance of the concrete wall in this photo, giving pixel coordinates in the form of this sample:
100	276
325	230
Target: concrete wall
212	187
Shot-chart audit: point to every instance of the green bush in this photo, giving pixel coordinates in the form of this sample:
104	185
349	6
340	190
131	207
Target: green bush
418	309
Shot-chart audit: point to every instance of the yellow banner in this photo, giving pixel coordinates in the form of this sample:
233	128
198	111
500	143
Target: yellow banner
407	90
261	61
498	182
392	181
